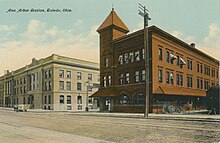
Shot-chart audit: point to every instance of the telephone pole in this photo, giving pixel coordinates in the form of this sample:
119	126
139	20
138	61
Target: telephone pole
144	13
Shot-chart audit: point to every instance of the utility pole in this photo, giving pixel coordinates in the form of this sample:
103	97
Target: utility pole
144	13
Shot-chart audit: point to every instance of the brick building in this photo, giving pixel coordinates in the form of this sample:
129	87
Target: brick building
179	73
51	83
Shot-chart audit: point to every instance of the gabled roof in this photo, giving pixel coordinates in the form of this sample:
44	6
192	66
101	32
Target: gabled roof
113	20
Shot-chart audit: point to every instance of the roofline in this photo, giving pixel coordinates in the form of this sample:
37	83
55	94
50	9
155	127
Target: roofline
168	36
113	26
52	60
180	42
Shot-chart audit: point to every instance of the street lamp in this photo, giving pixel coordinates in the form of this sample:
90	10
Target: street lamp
144	13
88	85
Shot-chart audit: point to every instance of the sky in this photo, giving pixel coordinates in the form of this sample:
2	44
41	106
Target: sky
72	33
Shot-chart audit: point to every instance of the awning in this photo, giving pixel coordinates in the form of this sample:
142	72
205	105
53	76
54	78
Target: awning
170	90
103	92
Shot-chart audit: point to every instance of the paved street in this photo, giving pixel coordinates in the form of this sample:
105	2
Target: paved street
66	127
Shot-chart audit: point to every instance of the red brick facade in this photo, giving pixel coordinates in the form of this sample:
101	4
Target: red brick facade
180	74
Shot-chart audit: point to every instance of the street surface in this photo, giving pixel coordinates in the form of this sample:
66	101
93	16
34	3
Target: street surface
70	127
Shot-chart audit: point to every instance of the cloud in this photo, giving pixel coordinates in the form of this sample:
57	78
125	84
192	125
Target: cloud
210	44
6	28
52	32
40	40
180	35
138	26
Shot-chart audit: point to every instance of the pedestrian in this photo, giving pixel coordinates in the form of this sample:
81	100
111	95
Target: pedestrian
15	107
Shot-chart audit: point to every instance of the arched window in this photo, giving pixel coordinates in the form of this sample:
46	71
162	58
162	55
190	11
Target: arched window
124	99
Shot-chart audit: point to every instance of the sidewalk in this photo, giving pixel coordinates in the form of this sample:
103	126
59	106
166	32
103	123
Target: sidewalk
186	117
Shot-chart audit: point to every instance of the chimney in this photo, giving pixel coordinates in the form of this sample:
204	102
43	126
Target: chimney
193	45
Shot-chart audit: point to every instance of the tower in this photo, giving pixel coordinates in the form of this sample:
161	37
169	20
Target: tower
112	28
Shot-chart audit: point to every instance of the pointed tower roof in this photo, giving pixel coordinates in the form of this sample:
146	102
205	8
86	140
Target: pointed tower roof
114	20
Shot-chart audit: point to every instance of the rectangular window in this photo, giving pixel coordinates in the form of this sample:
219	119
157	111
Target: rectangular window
198	83
179	79
201	84
49	99
168	56
189	81
137	56
61	85
61	99
213	72
68	74
20	89
50	85
46	74
90	76
109	81
168	77
143	54
79	75
79	99
25	91
61	73
50	73
121	79
217	74
205	84
131	57
209	71
104	81
160	54
171	78
79	86
160	75
120	59
198	68
127	78
46	86
136	76
68	85
68	99
106	62
189	63
24	80
126	58
143	75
